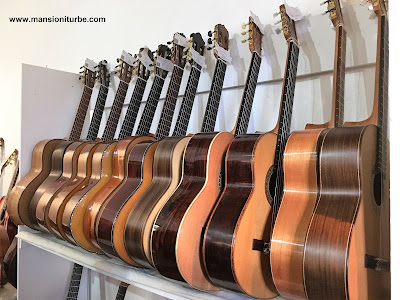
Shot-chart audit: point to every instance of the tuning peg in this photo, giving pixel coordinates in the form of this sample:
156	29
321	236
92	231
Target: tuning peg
118	60
278	31
325	2
209	41
277	14
210	33
210	48
104	61
276	23
169	42
244	25
82	67
328	11
80	78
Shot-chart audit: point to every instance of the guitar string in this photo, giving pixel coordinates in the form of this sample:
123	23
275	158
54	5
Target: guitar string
75	282
80	114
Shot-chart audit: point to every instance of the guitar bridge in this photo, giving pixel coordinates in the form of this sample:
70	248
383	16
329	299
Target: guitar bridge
376	263
259	245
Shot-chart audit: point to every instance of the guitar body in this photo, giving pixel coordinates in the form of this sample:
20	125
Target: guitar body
21	194
70	163
109	211
75	183
346	222
243	214
176	245
55	173
167	174
300	195
76	226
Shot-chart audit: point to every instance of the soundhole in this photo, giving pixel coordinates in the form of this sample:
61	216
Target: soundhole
378	189
270	182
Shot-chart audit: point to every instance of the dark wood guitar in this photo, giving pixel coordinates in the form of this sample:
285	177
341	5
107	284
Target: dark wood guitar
22	193
238	231
346	255
301	185
177	232
142	165
167	170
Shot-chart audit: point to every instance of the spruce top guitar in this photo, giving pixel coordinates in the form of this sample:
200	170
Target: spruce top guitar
346	251
21	195
178	229
237	234
301	186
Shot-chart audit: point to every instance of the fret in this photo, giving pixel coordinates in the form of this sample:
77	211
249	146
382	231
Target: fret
75	282
115	113
214	97
150	107
248	95
133	109
167	113
76	130
182	121
97	113
121	292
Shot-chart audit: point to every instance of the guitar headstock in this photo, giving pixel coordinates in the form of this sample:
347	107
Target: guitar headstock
197	43
125	67
255	36
88	73
103	75
12	159
334	11
219	36
144	62
288	26
379	6
179	47
165	52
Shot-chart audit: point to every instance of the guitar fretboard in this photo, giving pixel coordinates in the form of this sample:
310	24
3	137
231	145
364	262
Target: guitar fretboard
339	77
284	122
248	95
75	282
76	130
214	97
121	292
115	113
150	107
167	113
97	113
133	108
187	103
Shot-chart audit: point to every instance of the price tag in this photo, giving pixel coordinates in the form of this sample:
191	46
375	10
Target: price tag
199	59
145	59
222	53
180	40
90	64
164	64
126	57
292	9
257	21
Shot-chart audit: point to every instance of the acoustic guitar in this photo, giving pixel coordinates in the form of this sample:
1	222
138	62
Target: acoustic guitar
124	200
106	215
177	232
113	174
58	154
346	255
237	234
167	169
301	184
22	193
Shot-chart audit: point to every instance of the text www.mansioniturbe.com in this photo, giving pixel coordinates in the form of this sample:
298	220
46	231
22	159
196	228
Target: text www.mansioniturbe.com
54	19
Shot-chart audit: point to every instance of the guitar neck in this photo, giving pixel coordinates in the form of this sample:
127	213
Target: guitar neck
75	282
164	125
97	113
121	291
76	130
187	103
115	113
210	116
133	109
243	118
150	107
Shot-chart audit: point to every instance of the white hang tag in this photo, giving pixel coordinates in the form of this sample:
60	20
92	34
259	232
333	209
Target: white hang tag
145	59
90	64
180	40
199	59
292	9
257	21
222	53
127	58
164	64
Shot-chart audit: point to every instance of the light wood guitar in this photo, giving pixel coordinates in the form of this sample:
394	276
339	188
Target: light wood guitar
301	182
167	170
238	231
346	252
177	231
21	194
